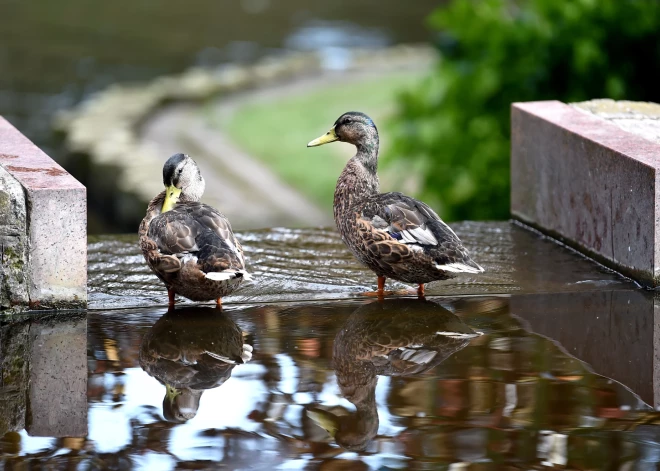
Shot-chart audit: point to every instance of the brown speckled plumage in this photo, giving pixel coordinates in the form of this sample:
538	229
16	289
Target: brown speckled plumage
188	242
394	235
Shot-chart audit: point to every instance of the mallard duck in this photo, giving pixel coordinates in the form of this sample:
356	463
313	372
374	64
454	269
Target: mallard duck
191	350
397	337
394	235
190	245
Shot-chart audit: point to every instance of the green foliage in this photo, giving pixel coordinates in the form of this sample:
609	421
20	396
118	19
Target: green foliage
455	125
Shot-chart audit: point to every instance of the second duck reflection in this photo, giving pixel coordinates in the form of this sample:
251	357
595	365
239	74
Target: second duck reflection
194	349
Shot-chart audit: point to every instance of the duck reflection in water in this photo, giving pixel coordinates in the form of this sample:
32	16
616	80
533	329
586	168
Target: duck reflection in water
395	337
190	350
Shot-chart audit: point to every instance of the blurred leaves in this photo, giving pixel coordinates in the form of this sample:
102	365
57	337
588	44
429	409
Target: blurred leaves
455	125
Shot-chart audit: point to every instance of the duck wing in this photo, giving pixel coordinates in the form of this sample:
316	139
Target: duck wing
200	231
412	224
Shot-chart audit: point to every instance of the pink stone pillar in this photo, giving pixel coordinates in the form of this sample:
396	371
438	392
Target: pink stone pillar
589	183
43	243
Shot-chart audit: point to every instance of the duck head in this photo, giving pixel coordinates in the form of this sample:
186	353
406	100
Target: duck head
180	404
183	181
353	127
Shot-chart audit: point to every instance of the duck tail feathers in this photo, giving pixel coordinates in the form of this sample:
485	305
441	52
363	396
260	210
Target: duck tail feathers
228	275
467	266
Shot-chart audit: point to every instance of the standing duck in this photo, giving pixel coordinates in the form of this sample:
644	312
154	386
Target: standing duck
190	245
394	235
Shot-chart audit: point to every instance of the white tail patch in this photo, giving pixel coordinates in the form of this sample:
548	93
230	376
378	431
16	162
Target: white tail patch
459	268
246	354
228	275
221	275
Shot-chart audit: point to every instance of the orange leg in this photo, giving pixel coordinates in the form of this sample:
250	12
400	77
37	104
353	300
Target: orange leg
420	290
381	285
380	292
170	295
218	303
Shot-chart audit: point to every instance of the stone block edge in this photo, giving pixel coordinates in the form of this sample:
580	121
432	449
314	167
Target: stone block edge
598	130
39	176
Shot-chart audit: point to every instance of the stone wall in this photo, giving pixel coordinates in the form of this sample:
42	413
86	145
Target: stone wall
13	242
43	228
591	182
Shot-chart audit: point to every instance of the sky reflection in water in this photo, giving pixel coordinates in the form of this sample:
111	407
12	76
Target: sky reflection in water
507	396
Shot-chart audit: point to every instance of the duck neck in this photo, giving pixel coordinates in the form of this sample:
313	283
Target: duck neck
359	179
193	193
367	151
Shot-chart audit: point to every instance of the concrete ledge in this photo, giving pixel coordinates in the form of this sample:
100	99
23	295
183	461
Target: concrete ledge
43	232
589	183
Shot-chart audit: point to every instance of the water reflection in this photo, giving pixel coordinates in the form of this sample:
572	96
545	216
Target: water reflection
399	396
395	337
190	350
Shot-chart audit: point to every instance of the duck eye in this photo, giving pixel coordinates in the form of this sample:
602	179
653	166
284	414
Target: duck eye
347	121
180	171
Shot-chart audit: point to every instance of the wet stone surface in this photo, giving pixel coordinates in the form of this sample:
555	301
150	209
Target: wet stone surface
314	264
547	360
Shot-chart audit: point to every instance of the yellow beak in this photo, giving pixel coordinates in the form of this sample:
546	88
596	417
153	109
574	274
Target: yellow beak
325	420
171	198
328	137
171	392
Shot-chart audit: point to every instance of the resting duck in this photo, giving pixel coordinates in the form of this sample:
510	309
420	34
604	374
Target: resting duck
191	350
397	337
394	235
190	245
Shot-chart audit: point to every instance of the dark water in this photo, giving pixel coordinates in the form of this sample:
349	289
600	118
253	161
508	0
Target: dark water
394	384
54	54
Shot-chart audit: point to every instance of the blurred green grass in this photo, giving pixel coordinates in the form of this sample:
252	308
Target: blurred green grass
277	130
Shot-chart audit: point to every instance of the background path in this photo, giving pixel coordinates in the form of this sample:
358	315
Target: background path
241	186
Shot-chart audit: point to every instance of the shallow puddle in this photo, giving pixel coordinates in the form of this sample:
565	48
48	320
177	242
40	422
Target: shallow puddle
400	384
